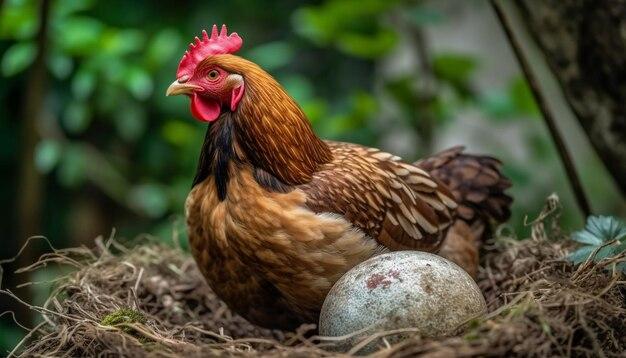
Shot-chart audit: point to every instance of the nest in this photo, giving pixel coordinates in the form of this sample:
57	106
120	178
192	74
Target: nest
151	300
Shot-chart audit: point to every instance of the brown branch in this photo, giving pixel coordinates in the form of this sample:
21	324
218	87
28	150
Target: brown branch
566	159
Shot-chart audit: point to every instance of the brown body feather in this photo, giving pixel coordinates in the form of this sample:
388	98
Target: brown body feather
277	215
398	204
268	257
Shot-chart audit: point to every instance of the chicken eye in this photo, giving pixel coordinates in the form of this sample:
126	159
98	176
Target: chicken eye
213	74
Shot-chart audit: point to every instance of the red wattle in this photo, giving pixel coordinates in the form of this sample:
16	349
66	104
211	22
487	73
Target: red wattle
205	109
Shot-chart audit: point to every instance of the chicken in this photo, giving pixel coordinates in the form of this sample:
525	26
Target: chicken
276	215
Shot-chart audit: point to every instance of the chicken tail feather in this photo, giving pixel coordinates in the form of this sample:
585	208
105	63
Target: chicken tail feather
479	187
476	181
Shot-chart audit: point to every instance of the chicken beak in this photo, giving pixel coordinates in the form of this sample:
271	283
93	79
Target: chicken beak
180	88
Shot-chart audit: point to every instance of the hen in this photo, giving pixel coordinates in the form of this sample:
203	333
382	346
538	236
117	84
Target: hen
276	215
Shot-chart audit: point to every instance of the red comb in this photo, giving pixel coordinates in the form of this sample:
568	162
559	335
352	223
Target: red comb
217	44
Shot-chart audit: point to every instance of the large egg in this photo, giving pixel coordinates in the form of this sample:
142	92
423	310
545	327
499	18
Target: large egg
403	289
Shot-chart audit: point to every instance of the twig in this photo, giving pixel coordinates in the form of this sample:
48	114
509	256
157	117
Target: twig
17	323
566	159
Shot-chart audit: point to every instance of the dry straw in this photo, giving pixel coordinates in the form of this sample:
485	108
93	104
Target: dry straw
150	300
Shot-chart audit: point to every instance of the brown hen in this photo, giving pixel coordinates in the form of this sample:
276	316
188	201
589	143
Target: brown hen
276	215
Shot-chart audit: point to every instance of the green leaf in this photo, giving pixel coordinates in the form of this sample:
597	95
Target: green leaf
581	254
60	65
163	46
17	58
315	110
351	25
605	252
272	55
67	7
130	122
83	83
306	23
403	92
421	15
72	166
618	249
47	155
322	23
118	43
150	199
497	105
605	228
364	105
177	132
113	69
541	147
298	87
598	231
367	45
76	117
80	35
139	83
522	97
611	250
453	67
585	237
18	20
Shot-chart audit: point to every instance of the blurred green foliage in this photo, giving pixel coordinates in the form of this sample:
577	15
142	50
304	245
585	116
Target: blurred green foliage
116	153
111	128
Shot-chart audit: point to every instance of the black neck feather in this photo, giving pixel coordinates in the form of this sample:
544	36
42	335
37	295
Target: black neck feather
217	152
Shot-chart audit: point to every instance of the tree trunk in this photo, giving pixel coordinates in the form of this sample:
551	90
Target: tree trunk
30	188
584	43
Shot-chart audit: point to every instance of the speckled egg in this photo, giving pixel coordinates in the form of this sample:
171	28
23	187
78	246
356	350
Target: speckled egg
403	289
